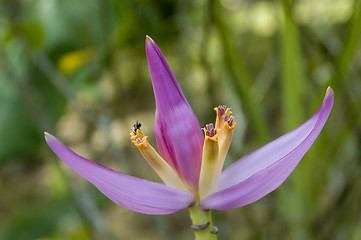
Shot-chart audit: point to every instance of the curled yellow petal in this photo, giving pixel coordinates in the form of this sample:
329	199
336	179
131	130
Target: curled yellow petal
160	166
225	139
221	111
225	122
208	180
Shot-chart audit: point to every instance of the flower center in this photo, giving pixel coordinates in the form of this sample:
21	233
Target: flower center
221	110
139	141
210	130
228	119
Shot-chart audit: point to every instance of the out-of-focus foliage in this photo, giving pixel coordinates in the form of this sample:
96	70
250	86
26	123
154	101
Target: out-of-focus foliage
78	69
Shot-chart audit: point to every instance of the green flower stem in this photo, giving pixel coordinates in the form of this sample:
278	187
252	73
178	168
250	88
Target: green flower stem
202	224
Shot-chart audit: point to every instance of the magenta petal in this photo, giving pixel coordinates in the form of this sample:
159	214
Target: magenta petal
177	130
129	192
259	173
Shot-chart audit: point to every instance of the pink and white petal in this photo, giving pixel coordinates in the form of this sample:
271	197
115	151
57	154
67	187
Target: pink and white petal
129	192
177	130
264	170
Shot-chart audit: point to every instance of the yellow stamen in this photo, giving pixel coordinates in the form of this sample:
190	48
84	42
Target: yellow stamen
207	183
214	152
160	166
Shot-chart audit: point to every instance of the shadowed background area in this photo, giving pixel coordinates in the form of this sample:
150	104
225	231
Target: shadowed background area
78	70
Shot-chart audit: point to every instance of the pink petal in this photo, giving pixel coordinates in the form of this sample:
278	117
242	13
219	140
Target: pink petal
178	133
129	192
259	173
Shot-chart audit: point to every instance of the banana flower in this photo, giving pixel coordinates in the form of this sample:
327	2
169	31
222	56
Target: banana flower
190	160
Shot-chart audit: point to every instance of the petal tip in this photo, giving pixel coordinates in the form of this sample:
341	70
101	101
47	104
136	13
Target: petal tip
329	97
47	135
50	139
148	40
329	91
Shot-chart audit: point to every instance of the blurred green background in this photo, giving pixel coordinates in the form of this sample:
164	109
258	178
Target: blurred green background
78	70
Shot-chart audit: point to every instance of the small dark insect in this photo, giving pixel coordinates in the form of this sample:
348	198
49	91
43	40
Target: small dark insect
136	126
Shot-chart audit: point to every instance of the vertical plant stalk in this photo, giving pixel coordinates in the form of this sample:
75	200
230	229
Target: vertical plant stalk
292	84
240	77
351	44
291	69
202	224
